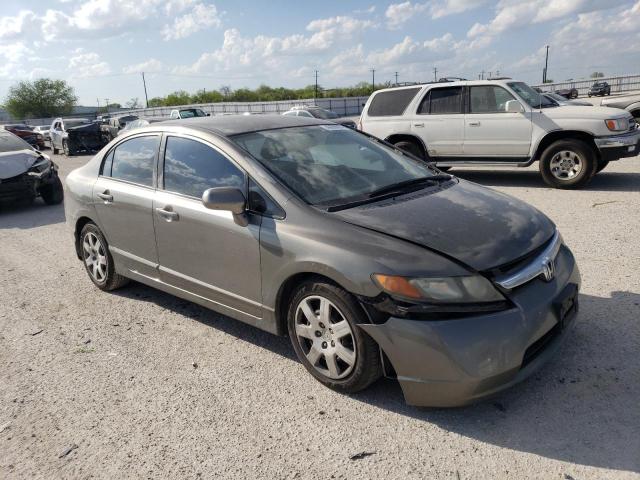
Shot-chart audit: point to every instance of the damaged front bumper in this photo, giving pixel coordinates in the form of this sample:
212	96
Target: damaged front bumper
27	185
454	362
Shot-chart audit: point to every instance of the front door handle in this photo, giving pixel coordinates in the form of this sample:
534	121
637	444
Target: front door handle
168	214
474	124
106	196
419	125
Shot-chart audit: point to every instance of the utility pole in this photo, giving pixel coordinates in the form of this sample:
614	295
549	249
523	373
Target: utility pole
482	75
396	78
98	100
315	92
373	79
106	101
146	98
435	74
546	64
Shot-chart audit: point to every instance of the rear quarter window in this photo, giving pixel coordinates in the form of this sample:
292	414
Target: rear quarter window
392	102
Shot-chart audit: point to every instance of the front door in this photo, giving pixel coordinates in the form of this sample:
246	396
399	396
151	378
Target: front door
123	196
439	122
492	132
203	251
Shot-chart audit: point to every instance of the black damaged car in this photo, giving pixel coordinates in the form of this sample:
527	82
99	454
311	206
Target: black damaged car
26	173
76	135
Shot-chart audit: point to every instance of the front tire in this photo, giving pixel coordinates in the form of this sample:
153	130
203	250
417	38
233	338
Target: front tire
97	259
53	193
323	327
568	164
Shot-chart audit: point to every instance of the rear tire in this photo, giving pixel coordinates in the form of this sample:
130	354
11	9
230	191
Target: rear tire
568	164
53	193
413	148
65	148
97	259
343	358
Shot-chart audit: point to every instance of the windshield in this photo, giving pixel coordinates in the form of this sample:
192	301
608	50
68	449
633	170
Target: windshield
322	113
556	97
529	95
12	143
192	112
330	165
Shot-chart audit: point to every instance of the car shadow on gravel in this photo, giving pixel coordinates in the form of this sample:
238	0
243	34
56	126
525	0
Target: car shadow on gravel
581	408
604	181
27	216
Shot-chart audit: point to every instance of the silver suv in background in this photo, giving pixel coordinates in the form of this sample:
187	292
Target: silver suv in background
501	122
313	111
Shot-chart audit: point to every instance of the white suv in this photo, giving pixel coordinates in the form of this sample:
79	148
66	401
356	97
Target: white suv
501	122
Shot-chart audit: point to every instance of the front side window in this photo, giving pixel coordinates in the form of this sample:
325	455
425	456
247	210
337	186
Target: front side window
133	160
191	167
488	99
529	95
329	165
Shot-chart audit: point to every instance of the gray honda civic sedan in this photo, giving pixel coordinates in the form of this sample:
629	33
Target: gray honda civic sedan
373	262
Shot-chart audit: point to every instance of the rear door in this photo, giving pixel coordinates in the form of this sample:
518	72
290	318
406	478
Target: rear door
492	132
123	196
387	113
439	121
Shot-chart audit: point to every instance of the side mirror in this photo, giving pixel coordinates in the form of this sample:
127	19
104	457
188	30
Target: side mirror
225	198
513	106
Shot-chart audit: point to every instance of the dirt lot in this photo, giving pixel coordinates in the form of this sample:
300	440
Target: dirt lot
98	385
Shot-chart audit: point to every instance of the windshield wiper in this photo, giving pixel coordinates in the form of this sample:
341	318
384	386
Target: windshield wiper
406	184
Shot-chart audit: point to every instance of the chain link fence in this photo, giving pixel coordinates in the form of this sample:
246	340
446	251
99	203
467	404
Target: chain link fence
624	83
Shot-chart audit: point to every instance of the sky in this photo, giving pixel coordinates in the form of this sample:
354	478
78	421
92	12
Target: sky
101	46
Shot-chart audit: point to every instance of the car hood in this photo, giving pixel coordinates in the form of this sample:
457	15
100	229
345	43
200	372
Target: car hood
13	164
477	226
577	112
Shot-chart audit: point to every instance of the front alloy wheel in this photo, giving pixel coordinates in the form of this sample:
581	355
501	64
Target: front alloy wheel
323	320
97	259
566	165
325	337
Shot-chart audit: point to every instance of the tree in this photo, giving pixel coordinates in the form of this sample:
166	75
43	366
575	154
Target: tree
133	103
40	99
597	75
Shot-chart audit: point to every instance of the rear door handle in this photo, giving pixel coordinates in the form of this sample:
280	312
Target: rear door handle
106	196
168	214
419	125
474	124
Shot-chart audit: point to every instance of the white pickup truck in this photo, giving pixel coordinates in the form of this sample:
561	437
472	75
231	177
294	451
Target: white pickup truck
501	122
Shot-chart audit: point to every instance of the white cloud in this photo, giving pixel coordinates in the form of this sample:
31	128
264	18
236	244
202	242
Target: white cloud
14	27
150	66
399	13
87	64
200	17
443	8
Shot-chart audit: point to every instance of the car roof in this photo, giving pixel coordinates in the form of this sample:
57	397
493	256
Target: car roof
454	83
238	124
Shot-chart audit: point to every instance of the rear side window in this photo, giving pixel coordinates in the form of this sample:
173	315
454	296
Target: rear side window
440	101
392	102
191	167
133	160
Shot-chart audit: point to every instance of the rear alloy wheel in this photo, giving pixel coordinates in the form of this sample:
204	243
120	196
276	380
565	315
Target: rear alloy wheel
97	259
322	324
568	164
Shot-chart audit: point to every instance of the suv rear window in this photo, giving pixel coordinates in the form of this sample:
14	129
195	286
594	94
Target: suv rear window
392	102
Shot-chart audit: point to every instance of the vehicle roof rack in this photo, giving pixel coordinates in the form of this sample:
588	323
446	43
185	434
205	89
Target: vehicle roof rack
499	78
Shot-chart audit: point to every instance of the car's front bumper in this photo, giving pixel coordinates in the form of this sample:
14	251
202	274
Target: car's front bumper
613	147
456	362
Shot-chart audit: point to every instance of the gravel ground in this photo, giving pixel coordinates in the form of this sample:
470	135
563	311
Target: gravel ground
139	384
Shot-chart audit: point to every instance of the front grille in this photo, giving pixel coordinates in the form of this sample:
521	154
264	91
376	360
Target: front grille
15	187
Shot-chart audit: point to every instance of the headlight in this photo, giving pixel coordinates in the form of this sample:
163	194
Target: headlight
467	289
37	169
617	124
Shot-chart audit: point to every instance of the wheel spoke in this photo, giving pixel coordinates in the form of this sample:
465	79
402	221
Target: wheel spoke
306	331
330	358
325	311
341	329
347	356
95	270
102	260
86	246
314	355
88	261
308	313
